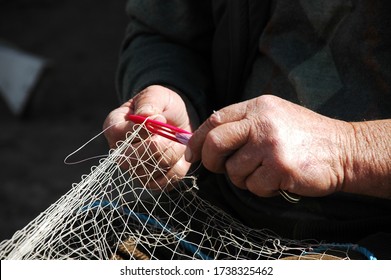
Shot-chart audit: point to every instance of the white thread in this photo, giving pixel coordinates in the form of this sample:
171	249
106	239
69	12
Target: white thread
85	144
110	208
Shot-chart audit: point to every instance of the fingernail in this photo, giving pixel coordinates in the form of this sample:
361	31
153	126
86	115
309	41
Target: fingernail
216	115
188	154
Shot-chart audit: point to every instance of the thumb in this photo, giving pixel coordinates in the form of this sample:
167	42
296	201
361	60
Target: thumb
162	104
150	101
147	109
148	105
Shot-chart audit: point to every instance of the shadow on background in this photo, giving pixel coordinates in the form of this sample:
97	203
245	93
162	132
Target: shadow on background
80	41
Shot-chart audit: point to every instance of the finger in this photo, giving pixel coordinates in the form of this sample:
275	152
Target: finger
155	176
155	161
156	152
232	113
116	126
263	182
222	142
173	176
242	163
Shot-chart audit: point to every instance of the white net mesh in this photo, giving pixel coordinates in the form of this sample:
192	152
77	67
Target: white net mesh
110	214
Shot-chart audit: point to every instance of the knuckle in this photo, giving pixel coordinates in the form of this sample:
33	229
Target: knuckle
235	169
267	99
252	186
215	119
209	164
213	163
257	184
210	123
237	181
232	168
259	190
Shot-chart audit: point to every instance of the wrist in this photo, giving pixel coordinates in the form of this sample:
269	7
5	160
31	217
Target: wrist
367	168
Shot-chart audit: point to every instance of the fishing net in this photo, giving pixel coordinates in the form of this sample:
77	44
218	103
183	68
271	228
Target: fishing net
110	214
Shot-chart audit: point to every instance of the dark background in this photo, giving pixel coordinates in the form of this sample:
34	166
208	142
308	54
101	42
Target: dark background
81	41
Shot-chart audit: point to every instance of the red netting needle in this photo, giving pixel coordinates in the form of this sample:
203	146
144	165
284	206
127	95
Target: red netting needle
168	131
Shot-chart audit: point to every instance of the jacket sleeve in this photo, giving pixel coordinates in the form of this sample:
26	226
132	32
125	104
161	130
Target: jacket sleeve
167	43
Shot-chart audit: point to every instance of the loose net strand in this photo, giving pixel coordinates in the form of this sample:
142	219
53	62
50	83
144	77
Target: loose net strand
111	214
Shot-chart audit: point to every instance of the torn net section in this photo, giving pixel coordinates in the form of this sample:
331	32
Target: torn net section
110	214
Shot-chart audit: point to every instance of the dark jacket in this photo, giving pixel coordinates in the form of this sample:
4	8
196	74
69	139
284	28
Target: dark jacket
330	56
